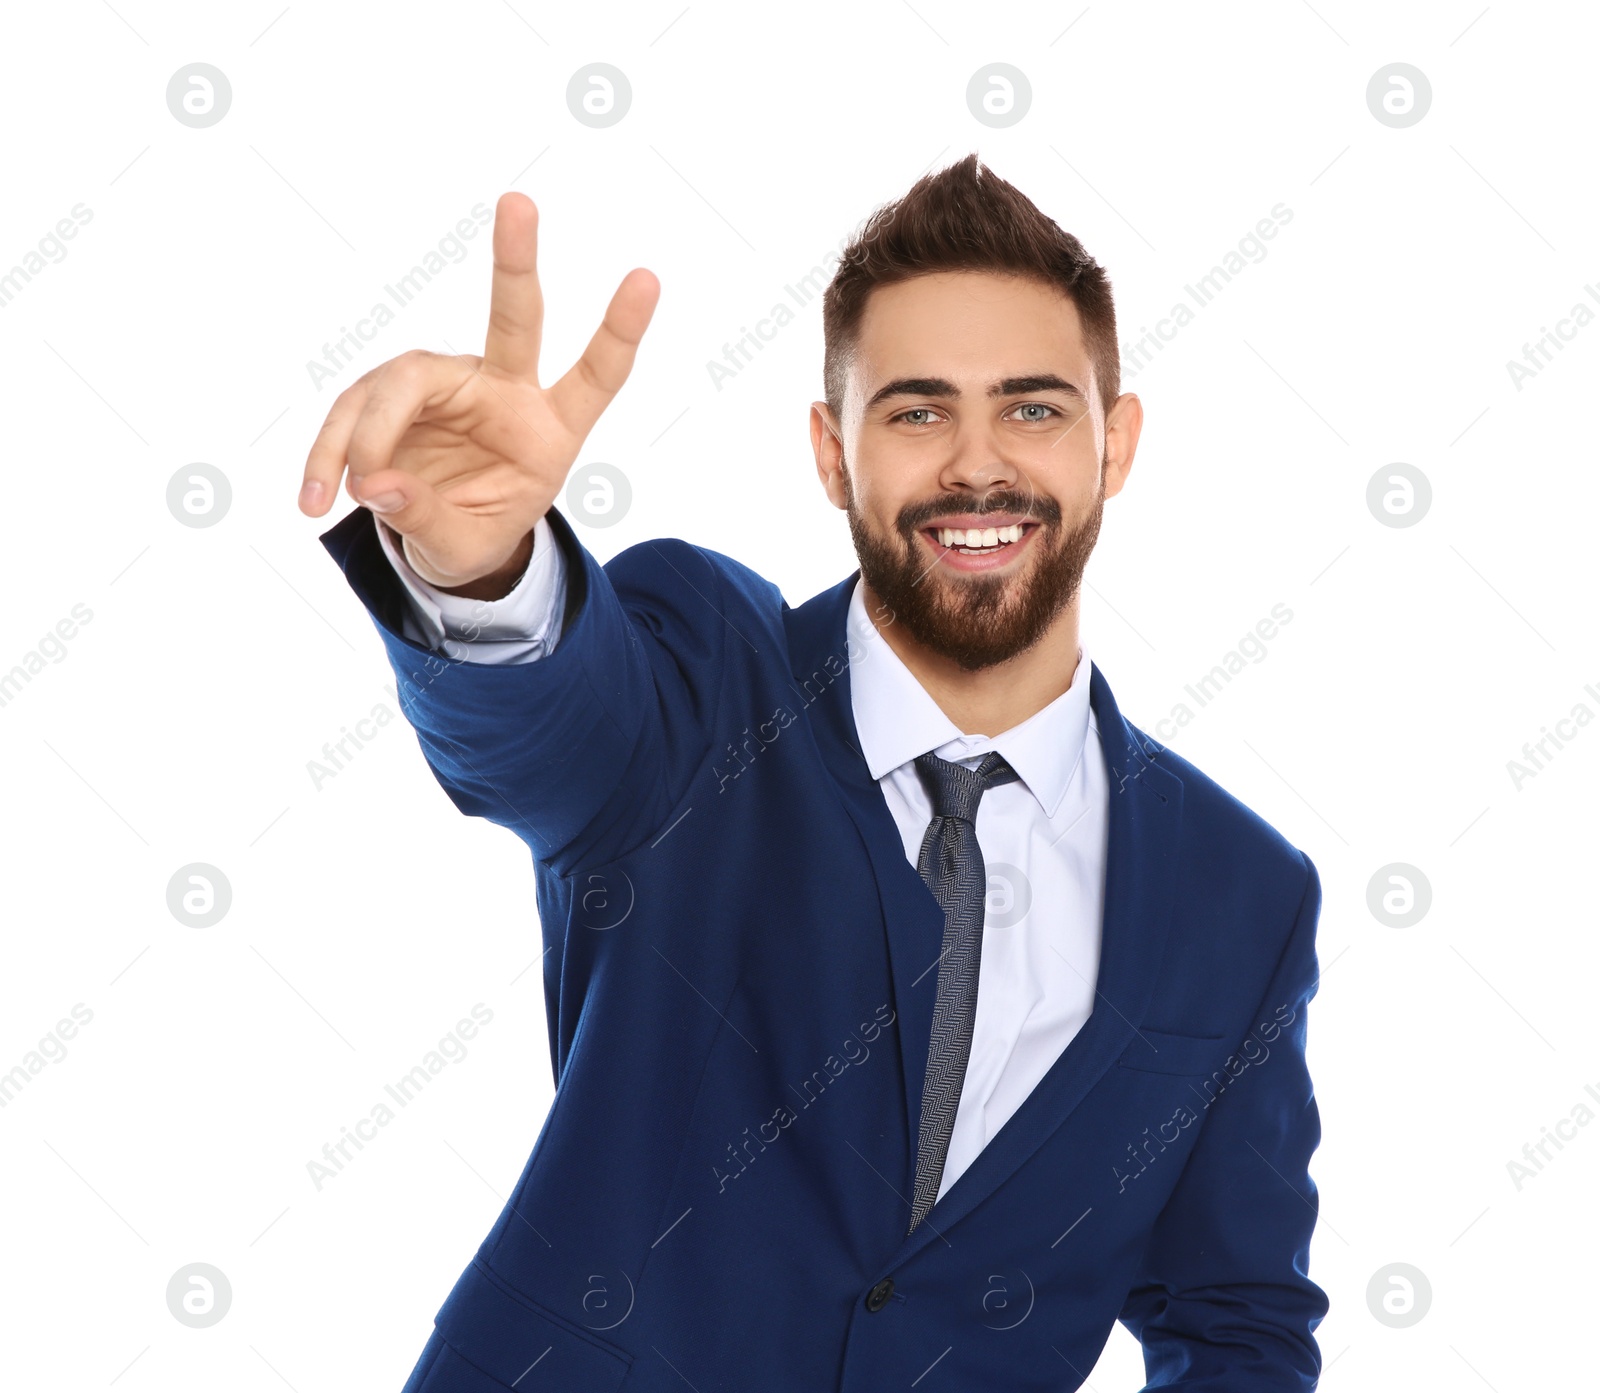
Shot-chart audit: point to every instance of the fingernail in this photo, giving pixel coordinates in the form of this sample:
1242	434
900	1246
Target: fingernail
310	493
385	502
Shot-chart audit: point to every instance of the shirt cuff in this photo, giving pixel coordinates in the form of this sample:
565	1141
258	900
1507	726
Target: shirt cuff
522	626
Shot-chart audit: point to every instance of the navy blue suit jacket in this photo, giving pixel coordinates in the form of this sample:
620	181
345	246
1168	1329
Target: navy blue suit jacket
739	1003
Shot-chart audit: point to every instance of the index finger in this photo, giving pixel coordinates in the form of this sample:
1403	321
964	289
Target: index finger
325	462
516	304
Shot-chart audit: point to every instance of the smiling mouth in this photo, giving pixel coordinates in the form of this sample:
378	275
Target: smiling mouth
978	541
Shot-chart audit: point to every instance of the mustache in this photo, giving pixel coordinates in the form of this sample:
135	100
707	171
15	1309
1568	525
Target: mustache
1032	507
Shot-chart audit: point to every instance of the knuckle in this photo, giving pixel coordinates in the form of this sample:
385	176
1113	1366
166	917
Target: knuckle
399	372
398	377
354	392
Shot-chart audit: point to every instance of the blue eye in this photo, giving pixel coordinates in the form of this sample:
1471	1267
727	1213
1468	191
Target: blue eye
1025	406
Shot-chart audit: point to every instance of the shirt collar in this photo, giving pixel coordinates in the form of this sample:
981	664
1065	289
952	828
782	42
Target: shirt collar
897	720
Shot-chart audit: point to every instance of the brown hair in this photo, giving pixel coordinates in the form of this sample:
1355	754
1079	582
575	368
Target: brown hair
965	218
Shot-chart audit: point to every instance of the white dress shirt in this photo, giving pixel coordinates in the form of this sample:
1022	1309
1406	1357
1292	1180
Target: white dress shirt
1043	837
516	628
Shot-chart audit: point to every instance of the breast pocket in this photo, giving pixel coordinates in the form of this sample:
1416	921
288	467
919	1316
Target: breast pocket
519	1344
1159	1052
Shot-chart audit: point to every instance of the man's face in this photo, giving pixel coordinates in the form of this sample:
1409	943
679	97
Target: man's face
972	459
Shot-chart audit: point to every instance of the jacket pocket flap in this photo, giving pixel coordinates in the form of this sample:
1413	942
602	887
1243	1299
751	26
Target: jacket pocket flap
1159	1052
522	1344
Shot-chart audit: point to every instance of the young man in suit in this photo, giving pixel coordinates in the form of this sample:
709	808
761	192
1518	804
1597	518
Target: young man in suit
914	1016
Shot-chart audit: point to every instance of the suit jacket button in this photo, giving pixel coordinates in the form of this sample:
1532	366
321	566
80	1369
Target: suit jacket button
879	1296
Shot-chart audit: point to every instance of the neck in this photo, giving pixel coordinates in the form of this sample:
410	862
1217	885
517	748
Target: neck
996	698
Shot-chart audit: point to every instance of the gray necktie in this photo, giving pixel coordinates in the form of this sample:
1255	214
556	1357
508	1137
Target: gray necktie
952	865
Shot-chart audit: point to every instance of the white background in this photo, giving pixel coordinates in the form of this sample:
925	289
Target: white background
368	916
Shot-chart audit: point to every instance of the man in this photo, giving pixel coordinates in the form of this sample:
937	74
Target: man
914	1016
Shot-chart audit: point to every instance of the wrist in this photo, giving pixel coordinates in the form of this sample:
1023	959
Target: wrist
493	585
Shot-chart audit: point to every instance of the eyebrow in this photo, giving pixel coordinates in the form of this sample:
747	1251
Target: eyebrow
943	387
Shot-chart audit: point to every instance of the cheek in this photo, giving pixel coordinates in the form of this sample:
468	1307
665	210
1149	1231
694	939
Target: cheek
882	488
1072	480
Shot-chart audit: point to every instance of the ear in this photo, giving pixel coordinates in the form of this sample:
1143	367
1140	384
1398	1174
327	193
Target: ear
827	443
1123	423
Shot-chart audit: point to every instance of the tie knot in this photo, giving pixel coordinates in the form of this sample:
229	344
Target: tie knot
955	790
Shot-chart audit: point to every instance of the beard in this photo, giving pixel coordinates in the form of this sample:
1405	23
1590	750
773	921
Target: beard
977	620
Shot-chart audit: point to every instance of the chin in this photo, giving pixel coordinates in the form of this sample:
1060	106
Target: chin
977	619
980	621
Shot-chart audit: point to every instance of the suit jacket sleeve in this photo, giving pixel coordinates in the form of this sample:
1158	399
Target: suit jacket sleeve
520	627
1224	1303
583	753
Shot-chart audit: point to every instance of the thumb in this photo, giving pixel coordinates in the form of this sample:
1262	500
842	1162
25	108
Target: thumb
405	505
401	500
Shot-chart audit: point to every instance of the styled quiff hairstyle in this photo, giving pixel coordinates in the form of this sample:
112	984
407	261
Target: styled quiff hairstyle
964	218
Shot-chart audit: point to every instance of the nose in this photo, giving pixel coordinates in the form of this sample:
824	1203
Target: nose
977	464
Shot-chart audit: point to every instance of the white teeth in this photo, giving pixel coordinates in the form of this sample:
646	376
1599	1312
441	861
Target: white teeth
979	537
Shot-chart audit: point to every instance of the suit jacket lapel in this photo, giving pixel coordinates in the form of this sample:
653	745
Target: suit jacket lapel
1146	810
820	652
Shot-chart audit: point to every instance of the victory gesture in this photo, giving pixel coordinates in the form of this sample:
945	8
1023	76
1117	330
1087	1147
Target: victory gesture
463	455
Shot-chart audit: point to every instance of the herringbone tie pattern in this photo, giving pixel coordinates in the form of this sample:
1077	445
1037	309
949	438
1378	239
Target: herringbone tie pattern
951	864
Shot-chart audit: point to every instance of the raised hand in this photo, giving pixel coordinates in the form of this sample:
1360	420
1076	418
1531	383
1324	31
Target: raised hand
463	455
